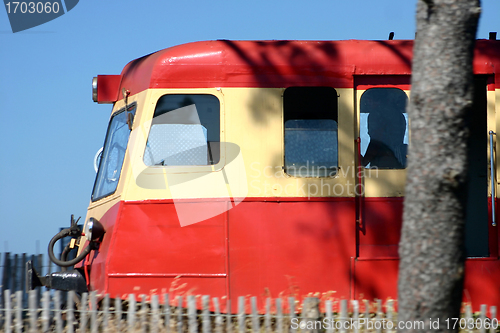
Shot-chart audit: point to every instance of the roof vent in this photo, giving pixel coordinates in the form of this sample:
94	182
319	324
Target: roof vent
391	35
493	35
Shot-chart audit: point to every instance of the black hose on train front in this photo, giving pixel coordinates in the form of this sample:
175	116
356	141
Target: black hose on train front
62	262
64	255
66	280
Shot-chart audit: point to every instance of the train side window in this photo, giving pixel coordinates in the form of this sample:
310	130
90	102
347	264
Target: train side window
185	131
384	128
311	140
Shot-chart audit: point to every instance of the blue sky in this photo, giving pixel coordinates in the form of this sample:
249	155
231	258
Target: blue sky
51	129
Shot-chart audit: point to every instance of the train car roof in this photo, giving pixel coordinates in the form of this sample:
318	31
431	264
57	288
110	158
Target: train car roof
225	63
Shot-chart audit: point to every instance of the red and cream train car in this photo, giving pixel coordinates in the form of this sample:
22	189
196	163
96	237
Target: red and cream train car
229	167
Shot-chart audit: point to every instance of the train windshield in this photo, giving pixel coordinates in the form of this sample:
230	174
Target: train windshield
113	154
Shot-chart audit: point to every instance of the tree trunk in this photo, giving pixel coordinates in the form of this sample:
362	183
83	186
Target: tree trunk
432	249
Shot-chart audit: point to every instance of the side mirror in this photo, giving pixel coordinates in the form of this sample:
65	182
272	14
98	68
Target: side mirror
97	159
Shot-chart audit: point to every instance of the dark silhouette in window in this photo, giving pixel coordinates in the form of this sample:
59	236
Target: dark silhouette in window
386	128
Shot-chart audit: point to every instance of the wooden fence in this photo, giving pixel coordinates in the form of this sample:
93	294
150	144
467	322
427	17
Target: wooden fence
55	311
13	273
182	314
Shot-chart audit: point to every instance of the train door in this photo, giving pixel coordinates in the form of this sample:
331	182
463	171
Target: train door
481	235
383	140
477	215
382	150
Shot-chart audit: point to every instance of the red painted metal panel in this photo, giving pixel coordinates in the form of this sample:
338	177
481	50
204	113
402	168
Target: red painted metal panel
266	64
151	240
98	259
149	249
264	247
282	63
291	248
493	231
381	229
376	278
481	285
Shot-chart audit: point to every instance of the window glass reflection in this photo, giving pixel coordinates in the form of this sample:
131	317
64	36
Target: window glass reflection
384	128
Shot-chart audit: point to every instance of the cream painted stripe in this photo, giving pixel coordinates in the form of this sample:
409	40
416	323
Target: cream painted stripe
252	119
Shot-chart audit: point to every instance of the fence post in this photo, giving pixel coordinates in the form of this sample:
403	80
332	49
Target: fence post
83	312
255	315
367	314
105	316
38	263
32	311
57	311
279	315
179	314
355	315
144	313
241	314
291	304
218	317
155	318
118	314
46	311
6	273
468	316
482	316
389	307
23	278
131	312
310	315
268	315
343	315
205	300
493	315
8	311
379	315
166	301
19	311
70	314
93	312
192	322
229	324
14	275
329	316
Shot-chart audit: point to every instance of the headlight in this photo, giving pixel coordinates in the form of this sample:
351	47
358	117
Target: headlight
93	229
94	89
